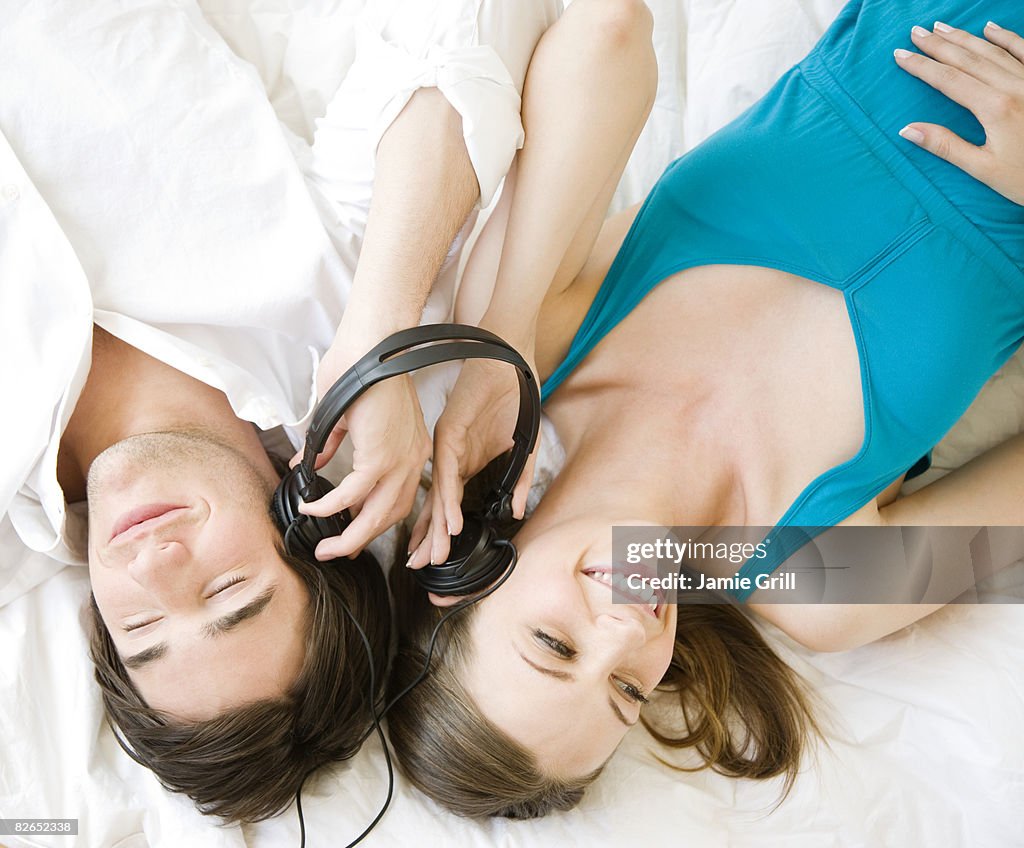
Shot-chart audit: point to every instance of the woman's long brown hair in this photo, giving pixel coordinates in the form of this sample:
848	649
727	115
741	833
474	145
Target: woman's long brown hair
741	708
745	712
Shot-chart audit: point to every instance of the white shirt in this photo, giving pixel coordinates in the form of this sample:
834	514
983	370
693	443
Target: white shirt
147	186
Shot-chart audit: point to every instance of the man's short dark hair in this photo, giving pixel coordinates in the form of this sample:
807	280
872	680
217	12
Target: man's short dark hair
246	764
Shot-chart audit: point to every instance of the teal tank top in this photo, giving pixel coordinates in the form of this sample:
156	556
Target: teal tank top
815	180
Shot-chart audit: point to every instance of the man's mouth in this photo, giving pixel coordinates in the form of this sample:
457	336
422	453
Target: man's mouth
143	518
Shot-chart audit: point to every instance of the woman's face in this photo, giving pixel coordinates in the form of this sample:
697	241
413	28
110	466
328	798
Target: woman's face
203	611
555	663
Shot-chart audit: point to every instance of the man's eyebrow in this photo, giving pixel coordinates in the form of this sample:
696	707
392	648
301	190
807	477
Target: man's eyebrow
224	624
566	676
137	661
229	622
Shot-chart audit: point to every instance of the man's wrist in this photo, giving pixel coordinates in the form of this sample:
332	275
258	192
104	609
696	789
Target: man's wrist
357	334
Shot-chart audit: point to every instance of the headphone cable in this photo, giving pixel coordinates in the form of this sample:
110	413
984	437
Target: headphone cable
377	716
453	611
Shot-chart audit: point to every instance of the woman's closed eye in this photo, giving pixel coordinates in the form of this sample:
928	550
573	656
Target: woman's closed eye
566	652
554	645
634	693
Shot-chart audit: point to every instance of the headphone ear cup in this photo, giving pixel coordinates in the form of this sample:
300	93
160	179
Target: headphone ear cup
281	508
475	561
302	533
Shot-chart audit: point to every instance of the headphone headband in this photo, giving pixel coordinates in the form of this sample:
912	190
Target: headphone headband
478	559
403	353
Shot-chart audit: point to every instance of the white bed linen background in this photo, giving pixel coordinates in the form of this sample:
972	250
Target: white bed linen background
924	727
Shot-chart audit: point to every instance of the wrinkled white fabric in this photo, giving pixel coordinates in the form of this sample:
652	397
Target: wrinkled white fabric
923	726
148	187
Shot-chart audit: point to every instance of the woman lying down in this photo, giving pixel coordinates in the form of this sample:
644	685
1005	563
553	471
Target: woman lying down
799	311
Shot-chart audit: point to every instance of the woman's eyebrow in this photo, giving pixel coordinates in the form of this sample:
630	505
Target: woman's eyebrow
618	713
568	677
559	675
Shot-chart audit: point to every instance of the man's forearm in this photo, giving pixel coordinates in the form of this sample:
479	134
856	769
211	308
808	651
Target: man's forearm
424	189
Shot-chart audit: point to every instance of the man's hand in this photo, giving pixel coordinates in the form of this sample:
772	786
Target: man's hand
985	75
390	447
421	198
475	427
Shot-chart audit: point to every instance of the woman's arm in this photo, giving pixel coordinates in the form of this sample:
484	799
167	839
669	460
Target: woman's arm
987	491
841	627
984	496
588	91
983	75
987	77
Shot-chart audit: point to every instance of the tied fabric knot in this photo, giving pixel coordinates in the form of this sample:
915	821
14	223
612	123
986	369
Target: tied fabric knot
472	78
438	66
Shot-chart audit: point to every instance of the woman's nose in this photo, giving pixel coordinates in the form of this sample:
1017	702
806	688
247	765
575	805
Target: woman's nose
619	633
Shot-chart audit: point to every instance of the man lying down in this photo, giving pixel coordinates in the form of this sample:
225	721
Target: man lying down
169	284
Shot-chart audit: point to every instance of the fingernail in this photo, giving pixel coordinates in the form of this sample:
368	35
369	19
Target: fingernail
992	25
941	27
900	53
920	32
912	134
408	562
448	525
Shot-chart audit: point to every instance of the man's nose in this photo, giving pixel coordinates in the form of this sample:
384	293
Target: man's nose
161	567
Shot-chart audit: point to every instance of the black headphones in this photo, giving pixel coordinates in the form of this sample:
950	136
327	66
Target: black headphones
479	561
475	560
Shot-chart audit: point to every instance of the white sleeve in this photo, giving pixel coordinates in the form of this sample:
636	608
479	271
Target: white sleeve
45	353
474	52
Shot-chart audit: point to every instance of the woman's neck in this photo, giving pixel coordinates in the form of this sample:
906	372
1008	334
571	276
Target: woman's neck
127	393
654	467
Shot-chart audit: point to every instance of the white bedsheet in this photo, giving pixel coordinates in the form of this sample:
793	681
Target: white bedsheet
924	727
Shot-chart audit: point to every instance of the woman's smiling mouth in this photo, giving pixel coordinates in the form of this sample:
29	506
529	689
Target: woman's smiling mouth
622	592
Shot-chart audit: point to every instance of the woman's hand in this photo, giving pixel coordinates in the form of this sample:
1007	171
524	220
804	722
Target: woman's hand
390	447
985	75
475	427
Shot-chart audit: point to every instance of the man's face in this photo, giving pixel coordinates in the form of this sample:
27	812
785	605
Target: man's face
203	611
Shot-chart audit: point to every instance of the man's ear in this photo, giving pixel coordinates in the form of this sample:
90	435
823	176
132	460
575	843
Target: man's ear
445	600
